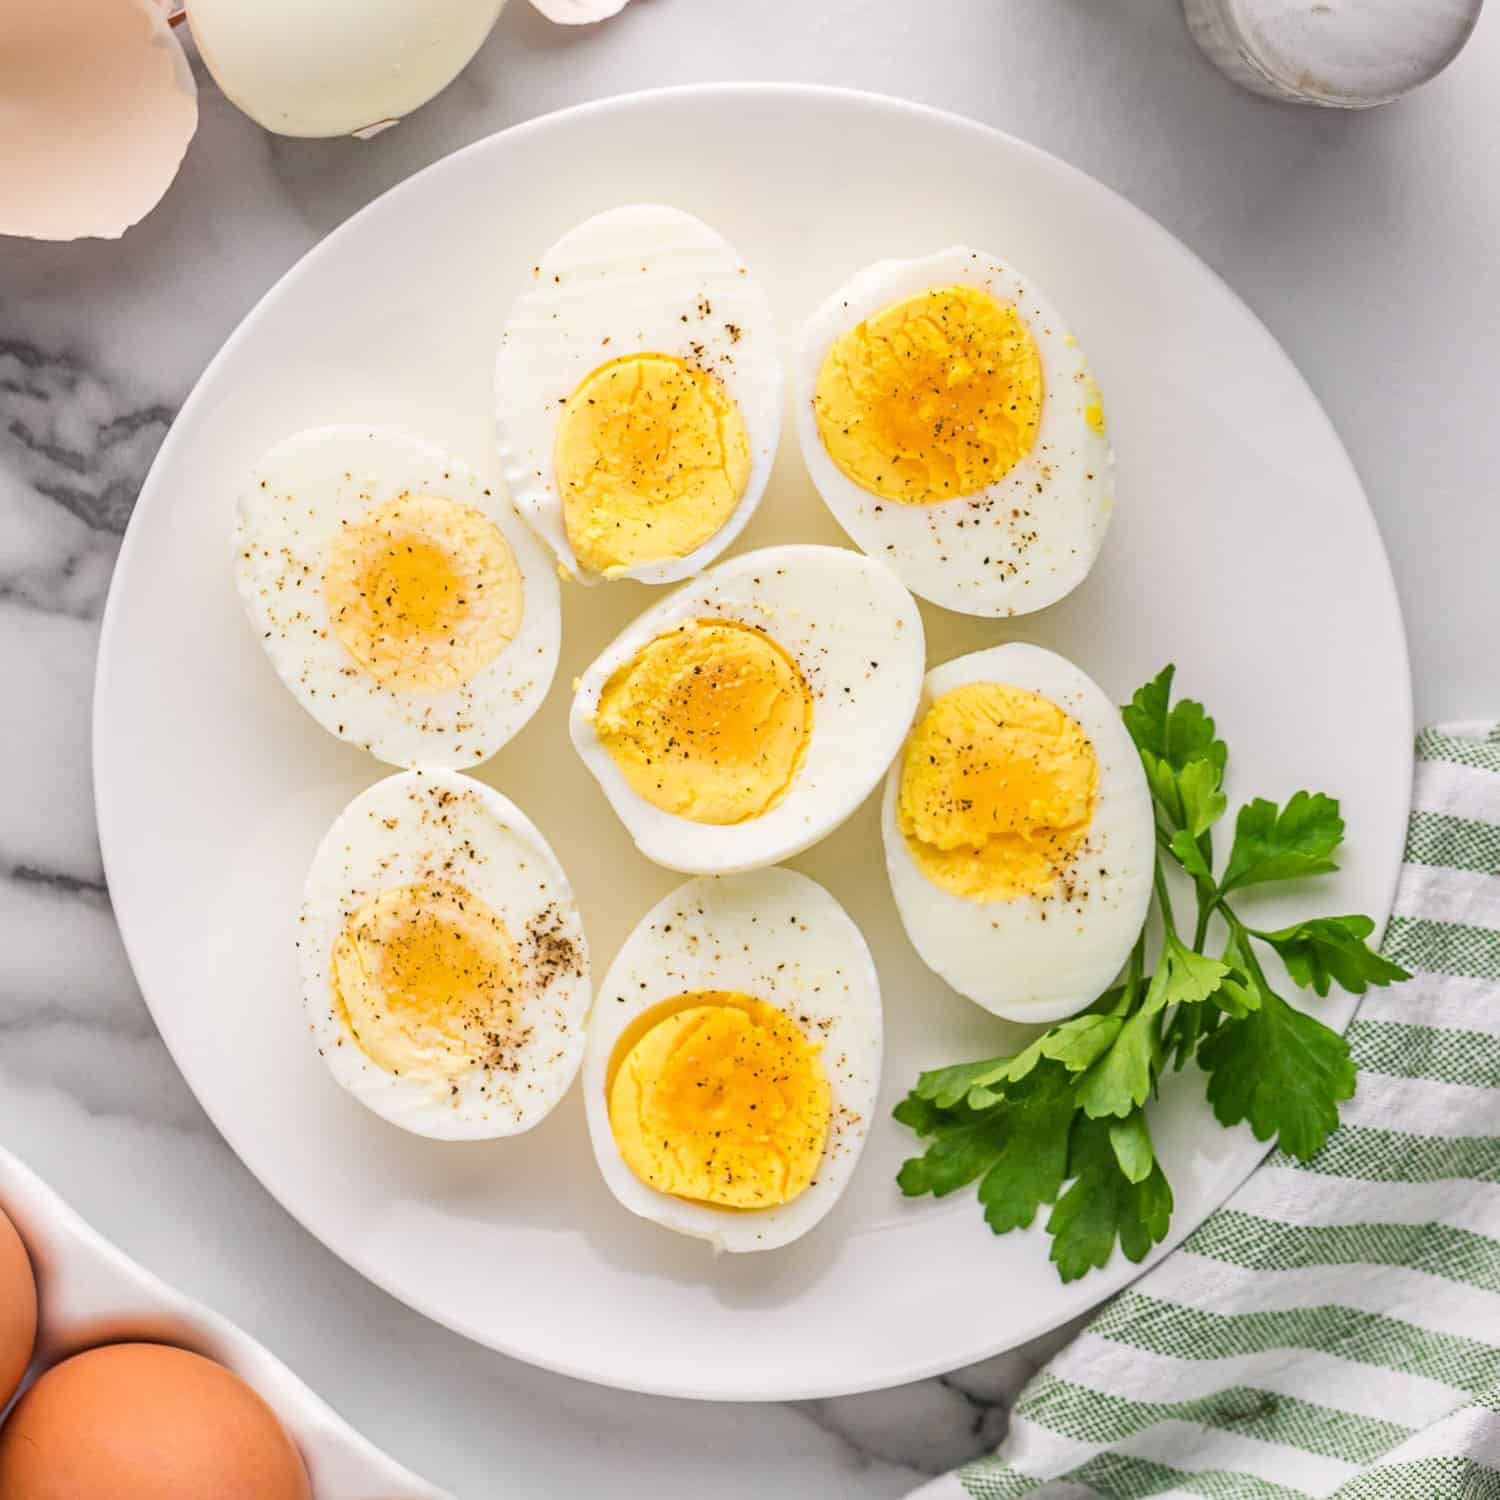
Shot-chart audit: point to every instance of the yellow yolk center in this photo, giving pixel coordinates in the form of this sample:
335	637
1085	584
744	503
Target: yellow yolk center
652	459
998	785
719	1098
709	721
423	592
932	398
428	982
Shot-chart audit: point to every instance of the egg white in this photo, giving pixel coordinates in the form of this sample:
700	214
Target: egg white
633	280
779	937
1019	544
420	826
855	633
1037	958
295	500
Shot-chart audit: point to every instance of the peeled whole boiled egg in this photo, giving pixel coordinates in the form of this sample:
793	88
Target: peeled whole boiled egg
746	716
404	604
445	973
340	67
638	396
1019	835
734	1058
950	423
146	1422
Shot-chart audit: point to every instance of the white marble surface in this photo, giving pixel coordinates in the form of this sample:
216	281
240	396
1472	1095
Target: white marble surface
1366	242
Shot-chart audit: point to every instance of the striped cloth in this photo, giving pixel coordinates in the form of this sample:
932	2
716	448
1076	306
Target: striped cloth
1334	1329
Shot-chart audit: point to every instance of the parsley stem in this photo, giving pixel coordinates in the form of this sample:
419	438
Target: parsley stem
1200	932
1240	938
1136	971
1162	895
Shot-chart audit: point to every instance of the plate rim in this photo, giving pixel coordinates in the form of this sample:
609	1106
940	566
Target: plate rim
916	1369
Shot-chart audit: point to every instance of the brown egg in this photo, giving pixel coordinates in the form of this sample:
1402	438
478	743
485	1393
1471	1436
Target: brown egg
146	1422
17	1310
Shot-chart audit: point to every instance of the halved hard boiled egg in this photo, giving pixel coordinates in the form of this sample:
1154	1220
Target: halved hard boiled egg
733	1059
950	423
745	717
404	604
638	396
1018	833
444	969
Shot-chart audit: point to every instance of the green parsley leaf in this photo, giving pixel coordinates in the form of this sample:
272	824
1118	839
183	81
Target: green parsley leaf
1170	738
1146	714
920	1115
1120	1080
1075	1044
1185	847
1188	1027
1078	1043
1237	997
1018	1148
1177	733
1103	1206
1131	1142
964	1143
1333	950
946	1087
1283	1071
1203	802
1182	977
1286	845
1033	1165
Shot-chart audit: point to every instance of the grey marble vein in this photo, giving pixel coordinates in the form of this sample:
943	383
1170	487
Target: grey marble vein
74	450
58	880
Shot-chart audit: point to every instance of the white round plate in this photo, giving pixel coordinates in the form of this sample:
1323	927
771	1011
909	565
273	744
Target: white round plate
1242	549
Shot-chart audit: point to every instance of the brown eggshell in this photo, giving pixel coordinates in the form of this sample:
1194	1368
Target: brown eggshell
17	1310
97	106
146	1422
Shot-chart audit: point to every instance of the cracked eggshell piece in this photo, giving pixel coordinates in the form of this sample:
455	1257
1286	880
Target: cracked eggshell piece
639	279
337	67
1022	542
854	633
439	827
99	107
1037	959
777	937
294	503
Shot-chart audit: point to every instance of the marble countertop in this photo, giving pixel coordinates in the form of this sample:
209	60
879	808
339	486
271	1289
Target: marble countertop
1364	241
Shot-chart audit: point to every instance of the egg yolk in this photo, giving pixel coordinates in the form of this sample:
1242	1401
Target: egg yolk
933	398
428	982
652	459
1093	406
719	1098
709	721
998	786
423	592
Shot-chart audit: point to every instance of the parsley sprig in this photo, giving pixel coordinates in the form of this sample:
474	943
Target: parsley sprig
1063	1122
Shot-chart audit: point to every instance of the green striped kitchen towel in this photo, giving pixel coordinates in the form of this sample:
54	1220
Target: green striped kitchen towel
1334	1329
